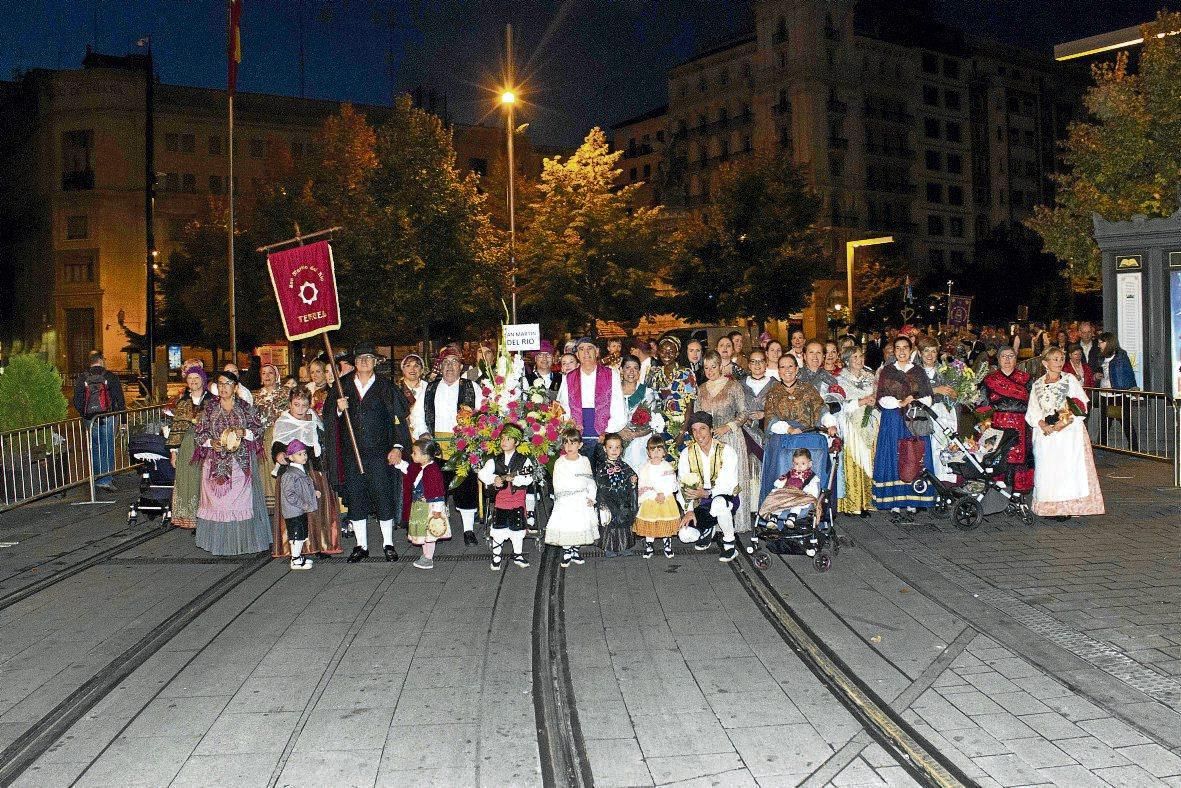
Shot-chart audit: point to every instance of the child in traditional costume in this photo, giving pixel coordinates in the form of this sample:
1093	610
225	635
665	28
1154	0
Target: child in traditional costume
298	497
424	501
796	491
659	516
510	473
573	522
616	482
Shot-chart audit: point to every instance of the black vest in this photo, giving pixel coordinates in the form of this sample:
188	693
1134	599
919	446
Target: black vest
467	396
512	469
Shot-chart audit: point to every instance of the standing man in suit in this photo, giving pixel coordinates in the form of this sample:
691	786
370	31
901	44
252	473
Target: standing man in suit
873	349
542	375
380	418
1091	353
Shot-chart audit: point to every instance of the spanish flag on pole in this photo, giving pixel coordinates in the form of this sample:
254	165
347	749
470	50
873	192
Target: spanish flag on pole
234	41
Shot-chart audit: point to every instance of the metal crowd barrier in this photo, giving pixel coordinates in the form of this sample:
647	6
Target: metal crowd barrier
1137	423
39	461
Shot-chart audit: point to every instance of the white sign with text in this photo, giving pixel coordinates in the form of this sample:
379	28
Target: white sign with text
522	336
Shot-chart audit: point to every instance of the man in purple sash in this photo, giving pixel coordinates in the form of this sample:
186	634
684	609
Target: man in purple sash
591	394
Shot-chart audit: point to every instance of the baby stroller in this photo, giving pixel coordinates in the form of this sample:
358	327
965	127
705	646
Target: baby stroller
156	478
816	536
984	485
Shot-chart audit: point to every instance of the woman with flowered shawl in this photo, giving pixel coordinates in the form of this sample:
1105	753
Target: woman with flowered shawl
271	402
232	516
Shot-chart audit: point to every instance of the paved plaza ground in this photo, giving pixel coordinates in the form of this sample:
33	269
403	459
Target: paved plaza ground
1008	655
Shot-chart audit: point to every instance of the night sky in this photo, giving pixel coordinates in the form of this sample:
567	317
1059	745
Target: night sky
588	62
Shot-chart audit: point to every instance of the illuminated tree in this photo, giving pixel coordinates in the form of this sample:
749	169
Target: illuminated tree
589	253
1124	160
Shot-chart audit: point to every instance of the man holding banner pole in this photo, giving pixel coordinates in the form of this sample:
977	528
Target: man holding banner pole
380	418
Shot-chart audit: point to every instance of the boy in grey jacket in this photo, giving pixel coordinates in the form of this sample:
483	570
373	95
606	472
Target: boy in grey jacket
297	497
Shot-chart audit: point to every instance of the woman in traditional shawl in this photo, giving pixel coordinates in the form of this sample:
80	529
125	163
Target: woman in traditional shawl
300	422
232	516
186	490
271	401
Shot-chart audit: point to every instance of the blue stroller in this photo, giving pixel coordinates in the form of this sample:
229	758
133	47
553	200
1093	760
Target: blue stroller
157	477
816	536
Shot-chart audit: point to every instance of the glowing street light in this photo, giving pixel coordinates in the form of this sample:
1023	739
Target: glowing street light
508	97
850	248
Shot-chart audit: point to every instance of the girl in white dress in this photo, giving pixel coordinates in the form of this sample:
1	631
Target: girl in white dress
573	522
1064	479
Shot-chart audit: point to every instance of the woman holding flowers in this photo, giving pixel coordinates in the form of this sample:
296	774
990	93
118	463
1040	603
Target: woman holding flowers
861	433
1064	480
641	407
942	402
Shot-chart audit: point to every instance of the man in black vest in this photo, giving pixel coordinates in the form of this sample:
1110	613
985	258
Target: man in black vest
542	375
380	422
444	396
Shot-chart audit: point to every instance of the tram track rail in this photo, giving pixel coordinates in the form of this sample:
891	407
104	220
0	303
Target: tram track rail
42	735
41	584
560	744
880	720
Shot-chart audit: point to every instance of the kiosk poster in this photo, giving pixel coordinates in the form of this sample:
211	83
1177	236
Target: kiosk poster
1175	313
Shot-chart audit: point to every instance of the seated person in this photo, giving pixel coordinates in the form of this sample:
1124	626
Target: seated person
794	496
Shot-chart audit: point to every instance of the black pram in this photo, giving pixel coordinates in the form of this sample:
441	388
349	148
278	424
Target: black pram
156	478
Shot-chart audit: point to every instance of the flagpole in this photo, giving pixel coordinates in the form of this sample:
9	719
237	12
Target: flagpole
234	54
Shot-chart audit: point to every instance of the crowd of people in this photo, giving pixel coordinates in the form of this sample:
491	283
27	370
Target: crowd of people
662	439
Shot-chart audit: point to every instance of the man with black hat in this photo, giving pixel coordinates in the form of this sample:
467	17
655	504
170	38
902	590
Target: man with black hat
380	423
708	472
441	402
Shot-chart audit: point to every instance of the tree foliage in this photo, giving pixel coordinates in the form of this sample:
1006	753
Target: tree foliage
416	257
588	252
30	393
759	253
1124	160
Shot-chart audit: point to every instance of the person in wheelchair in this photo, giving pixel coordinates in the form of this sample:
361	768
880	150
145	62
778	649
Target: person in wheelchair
795	494
510	474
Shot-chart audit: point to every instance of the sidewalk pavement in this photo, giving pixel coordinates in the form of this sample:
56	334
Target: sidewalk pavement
1028	655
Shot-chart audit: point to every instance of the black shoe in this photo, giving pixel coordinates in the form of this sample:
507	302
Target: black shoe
729	552
863	515
576	557
649	549
520	560
358	555
391	554
469	537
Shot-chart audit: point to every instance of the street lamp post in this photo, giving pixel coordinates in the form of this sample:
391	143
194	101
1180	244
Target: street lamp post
850	248
508	99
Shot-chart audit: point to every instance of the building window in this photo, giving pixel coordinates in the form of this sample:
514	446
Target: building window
660	136
955	227
955	163
934	224
647	170
931	95
216	184
933	160
934	193
955	195
188	143
930	63
77	160
188	183
953	132
258	148
215	145
78	267
77	228
931	128
951	99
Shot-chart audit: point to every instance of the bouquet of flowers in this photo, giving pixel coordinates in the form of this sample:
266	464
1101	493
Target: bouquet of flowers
962	378
477	433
